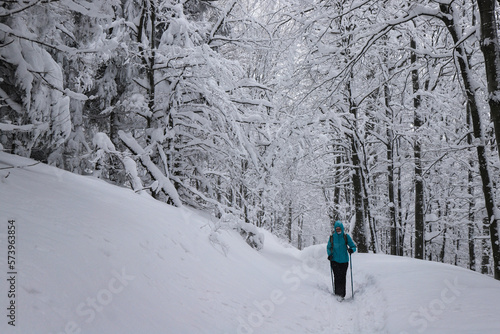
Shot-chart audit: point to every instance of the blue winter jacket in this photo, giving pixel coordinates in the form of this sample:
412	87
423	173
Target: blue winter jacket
339	249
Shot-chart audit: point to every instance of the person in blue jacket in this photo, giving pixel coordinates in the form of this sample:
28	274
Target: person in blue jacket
340	245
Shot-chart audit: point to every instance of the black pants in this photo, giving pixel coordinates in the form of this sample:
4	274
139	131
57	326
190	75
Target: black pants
339	274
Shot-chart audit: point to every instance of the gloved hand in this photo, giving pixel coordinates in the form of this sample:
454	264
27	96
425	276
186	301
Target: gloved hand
330	258
350	250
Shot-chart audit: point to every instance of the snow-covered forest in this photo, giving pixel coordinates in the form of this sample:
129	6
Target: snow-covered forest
286	114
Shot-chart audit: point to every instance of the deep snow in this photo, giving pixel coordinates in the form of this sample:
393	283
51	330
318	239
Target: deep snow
95	258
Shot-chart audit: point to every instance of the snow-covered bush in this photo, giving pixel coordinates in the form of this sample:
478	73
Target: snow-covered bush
251	235
249	232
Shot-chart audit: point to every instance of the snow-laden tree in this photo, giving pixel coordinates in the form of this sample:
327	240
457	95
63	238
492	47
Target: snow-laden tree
48	56
187	103
34	112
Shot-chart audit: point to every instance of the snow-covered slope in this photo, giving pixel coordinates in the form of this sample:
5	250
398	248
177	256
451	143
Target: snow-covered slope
95	258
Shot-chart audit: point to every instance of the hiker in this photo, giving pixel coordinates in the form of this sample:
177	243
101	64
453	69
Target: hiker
340	245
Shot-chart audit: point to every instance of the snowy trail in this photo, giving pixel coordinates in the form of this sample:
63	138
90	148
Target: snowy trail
309	305
363	314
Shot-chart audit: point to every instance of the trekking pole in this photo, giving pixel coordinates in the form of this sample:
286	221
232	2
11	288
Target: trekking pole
331	274
350	265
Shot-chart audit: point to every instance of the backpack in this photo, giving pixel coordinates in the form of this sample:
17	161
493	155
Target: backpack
345	239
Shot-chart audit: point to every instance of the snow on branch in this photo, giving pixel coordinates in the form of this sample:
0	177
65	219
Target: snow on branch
251	234
11	127
251	83
253	102
11	103
221	208
163	182
85	8
374	32
103	145
131	169
102	142
7	13
60	47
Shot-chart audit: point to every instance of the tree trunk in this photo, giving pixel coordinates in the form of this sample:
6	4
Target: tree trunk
299	233
390	174
289	222
417	152
485	258
470	191
359	230
373	244
491	51
402	225
336	192
442	253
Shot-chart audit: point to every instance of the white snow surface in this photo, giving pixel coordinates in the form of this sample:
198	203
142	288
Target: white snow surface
96	258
